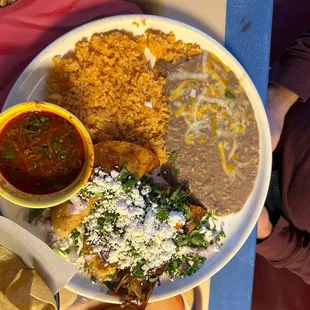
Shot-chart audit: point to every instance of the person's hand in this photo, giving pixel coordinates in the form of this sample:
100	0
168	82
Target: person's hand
264	226
279	101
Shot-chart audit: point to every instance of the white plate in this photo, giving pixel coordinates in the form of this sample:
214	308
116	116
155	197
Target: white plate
31	85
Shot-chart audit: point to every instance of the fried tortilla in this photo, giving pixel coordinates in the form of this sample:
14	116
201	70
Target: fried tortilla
97	267
64	223
112	155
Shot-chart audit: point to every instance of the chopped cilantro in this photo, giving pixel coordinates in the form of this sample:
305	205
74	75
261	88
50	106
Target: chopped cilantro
137	272
33	214
93	279
181	240
229	94
109	285
44	119
162	214
72	139
67	251
87	267
187	212
128	180
176	171
56	146
175	194
81	253
172	157
153	279
9	152
186	265
75	235
222	234
197	239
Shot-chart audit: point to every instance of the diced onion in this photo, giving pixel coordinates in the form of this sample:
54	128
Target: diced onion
77	205
51	237
148	104
193	93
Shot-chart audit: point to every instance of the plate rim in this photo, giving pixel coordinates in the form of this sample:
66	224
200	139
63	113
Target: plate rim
264	126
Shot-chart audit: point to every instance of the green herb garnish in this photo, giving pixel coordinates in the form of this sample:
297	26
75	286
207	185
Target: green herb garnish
162	214
56	146
67	251
181	240
75	235
137	272
9	152
44	119
33	214
36	125
72	139
175	194
93	279
87	268
197	239
222	234
81	253
109	285
229	94
186	265
172	157
128	180
46	151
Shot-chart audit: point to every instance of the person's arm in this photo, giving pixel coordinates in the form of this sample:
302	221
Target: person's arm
281	243
284	246
292	71
289	80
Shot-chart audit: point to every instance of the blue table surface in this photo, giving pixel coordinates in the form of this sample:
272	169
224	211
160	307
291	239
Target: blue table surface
247	37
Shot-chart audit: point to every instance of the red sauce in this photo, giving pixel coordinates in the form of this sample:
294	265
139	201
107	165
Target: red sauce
40	152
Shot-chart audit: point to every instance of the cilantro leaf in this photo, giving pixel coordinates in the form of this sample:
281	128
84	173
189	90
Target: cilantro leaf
229	94
162	214
172	157
176	171
75	235
137	272
186	265
33	214
93	279
109	285
128	180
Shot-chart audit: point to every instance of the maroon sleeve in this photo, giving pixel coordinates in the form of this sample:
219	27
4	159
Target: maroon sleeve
287	247
292	71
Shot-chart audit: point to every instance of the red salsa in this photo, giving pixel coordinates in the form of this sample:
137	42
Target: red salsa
40	152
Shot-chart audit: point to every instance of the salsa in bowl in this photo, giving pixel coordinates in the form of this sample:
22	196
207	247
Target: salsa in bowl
46	154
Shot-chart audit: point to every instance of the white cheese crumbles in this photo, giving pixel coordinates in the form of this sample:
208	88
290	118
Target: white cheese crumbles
139	226
124	227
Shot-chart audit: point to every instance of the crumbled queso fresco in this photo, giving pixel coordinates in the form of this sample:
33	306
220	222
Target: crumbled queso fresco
135	226
133	233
